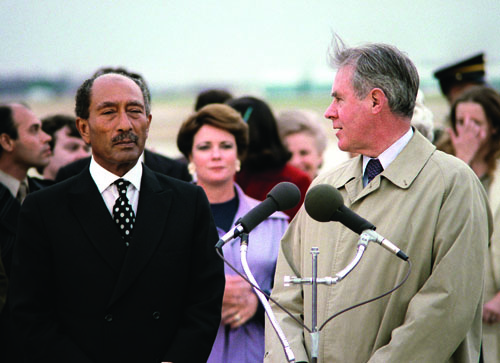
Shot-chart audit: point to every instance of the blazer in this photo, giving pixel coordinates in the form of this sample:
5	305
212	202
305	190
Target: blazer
79	295
154	161
9	213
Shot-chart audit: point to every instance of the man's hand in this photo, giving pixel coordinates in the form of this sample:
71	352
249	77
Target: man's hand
491	310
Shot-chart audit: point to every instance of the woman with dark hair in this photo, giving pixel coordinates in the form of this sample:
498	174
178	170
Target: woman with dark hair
214	140
474	134
267	161
474	137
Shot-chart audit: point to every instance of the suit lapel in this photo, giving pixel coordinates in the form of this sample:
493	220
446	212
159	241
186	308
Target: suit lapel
96	221
154	205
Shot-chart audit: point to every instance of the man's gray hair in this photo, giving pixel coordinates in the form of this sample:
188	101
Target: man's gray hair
379	66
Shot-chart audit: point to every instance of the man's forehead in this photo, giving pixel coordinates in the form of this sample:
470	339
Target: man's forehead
22	114
110	87
343	77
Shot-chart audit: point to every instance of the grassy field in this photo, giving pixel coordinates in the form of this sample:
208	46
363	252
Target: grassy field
169	112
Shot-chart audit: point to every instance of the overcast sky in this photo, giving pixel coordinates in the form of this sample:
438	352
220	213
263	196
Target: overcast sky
180	42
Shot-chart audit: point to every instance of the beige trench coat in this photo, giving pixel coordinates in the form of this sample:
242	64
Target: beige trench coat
434	208
491	333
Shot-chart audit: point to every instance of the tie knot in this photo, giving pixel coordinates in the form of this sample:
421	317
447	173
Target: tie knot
373	168
122	185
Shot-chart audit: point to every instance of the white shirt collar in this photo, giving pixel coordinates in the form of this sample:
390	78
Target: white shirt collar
104	178
391	152
10	182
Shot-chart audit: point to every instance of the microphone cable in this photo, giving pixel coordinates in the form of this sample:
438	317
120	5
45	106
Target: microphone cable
370	300
259	289
331	317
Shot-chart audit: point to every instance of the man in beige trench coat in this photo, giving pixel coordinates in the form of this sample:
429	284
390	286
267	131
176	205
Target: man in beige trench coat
428	203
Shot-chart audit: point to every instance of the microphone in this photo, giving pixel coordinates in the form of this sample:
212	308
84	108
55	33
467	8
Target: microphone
324	203
283	196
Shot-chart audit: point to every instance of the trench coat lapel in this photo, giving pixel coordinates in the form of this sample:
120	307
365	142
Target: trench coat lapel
95	219
401	172
152	214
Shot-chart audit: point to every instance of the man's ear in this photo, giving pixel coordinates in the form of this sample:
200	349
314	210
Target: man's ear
150	117
83	127
6	142
378	100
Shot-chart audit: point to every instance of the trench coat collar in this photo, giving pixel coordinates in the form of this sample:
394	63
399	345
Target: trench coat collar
401	172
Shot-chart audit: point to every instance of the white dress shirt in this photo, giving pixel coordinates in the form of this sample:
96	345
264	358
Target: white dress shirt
11	183
104	180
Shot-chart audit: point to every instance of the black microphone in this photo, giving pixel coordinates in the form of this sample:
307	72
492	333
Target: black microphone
324	203
283	196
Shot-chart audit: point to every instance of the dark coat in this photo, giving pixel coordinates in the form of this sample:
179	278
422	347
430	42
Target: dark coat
9	214
154	161
79	295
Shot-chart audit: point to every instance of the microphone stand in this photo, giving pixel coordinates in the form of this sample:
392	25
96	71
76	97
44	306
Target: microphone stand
284	342
314	281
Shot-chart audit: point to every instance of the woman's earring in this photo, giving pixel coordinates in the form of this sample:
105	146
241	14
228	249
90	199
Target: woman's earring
192	169
238	165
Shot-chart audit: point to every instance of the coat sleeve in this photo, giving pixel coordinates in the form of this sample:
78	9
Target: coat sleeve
443	318
32	293
289	259
201	316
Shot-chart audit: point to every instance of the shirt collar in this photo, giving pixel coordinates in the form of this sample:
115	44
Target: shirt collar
391	152
104	178
10	182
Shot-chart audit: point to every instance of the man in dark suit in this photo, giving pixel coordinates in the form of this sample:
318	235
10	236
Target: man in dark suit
23	145
92	282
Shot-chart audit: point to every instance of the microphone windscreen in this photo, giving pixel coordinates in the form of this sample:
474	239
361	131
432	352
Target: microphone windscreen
286	195
322	201
283	196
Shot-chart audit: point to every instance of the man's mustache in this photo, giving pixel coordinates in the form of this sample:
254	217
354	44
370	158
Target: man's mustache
129	135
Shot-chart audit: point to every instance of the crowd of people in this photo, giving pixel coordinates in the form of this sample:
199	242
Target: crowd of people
109	255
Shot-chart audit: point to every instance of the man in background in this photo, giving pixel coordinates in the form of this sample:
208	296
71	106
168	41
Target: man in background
210	96
23	145
67	145
459	76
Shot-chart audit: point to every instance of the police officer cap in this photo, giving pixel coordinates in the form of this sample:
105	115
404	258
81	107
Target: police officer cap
470	70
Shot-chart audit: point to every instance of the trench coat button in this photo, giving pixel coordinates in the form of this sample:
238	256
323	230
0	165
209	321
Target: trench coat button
108	318
156	315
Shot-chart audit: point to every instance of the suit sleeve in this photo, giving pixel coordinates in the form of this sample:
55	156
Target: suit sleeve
201	316
441	314
32	293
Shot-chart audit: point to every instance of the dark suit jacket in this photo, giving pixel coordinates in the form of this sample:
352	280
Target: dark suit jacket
79	295
154	161
9	213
